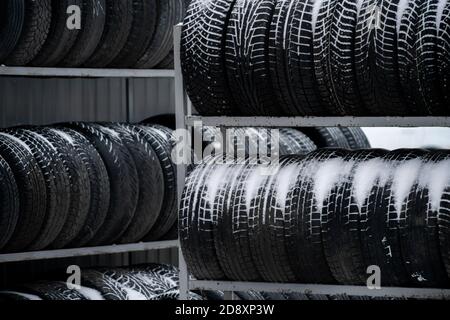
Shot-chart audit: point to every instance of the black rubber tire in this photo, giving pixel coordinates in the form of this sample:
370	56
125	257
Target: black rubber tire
93	23
17	296
268	234
124	186
327	137
340	223
119	19
356	138
341	58
172	234
202	57
57	185
293	142
170	13
9	202
299	66
443	217
60	39
107	286
407	58
278	62
161	140
36	25
322	52
247	59
387	80
302	222
427	56
382	223
12	15
420	242
151	183
80	188
230	234
99	186
52	291
365	58
32	192
141	33
196	225
443	48
168	62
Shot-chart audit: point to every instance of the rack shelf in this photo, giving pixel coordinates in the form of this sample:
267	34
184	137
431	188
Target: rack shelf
186	120
392	292
92	251
319	121
85	72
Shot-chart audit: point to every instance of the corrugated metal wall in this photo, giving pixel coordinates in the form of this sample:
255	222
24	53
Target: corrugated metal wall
51	100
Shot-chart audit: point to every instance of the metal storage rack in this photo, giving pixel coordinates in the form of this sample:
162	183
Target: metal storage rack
185	120
89	73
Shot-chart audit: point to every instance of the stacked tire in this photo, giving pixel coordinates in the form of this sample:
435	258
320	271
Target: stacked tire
323	218
85	33
317	58
148	282
85	184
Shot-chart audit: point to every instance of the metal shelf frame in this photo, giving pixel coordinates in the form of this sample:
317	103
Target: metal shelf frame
87	73
186	120
89	251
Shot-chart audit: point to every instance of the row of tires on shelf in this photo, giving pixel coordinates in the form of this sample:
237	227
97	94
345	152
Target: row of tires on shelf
316	58
112	33
323	218
147	282
85	184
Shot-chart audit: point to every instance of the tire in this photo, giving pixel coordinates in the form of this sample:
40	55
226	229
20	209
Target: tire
273	257
53	291
119	19
293	142
365	60
160	139
383	216
170	13
300	61
427	55
141	33
356	138
172	234
341	58
443	47
168	62
196	226
341	223
420	242
60	38
246	57
93	23
278	62
202	58
151	183
124	187
18	296
9	202
57	186
12	15
407	58
99	185
32	192
304	218
80	188
107	286
327	137
231	233
387	80
323	17
35	28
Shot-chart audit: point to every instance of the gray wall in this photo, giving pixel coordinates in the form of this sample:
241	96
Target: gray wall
41	101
